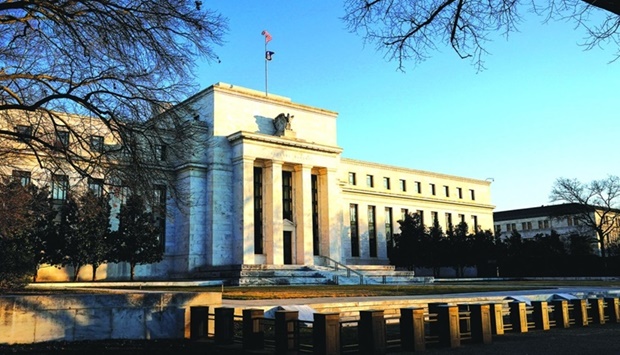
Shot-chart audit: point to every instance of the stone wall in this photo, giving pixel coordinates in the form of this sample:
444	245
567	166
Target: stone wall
37	318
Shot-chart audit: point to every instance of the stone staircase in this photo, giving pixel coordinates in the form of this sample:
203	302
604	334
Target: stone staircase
334	274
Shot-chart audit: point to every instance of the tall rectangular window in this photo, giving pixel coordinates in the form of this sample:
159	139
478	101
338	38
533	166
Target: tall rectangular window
434	217
96	186
420	214
446	190
62	139
96	144
386	183
159	212
370	181
388	226
546	223
461	218
403	213
287	195
540	224
459	192
432	186
354	226
418	187
472	194
449	225
24	133
258	210
403	185
22	176
161	152
352	178
372	232
474	221
60	186
315	214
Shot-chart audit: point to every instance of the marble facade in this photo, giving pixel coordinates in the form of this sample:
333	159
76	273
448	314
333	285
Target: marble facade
247	156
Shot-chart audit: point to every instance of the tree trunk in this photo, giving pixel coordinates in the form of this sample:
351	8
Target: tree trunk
76	271
95	266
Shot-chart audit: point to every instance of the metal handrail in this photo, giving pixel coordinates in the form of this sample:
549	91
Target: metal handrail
338	264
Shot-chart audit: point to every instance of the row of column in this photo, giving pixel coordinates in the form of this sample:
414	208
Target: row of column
243	191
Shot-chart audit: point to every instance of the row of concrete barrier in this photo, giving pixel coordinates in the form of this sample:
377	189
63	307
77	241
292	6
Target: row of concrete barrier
439	324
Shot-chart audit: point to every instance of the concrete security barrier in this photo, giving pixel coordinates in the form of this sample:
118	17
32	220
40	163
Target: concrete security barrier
26	319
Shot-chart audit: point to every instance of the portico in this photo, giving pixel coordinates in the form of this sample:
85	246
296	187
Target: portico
284	199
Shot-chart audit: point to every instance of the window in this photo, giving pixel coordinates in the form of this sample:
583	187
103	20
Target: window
161	152
258	210
472	194
418	187
448	221
60	185
352	179
386	183
388	227
514	226
540	224
96	144
474	220
523	226
22	176
287	195
446	190
24	133
159	212
403	213
420	214
62	139
370	182
459	192
508	227
432	189
96	186
372	232
546	224
434	217
403	185
461	218
353	224
314	188
529	226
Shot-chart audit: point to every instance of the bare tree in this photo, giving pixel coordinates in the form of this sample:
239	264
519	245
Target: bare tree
81	82
410	30
596	203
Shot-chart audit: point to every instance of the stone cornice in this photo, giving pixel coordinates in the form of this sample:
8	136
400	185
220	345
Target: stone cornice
240	136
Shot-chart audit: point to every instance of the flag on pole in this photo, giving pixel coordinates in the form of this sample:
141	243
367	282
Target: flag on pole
268	54
267	36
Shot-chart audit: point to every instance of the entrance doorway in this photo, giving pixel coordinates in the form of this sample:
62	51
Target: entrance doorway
288	247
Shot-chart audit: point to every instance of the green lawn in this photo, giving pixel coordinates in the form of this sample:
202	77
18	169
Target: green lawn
282	292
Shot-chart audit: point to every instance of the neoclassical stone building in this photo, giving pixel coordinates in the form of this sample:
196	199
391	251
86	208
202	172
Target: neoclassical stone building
269	187
265	184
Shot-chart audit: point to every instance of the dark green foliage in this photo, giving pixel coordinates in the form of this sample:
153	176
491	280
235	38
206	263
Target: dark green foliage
137	239
94	229
26	216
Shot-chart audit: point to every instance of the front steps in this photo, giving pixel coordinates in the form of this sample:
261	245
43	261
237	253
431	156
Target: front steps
282	275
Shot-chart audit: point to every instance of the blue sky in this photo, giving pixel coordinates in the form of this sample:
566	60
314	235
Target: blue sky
544	108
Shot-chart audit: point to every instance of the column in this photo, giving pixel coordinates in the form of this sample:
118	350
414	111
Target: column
330	218
272	182
303	214
243	192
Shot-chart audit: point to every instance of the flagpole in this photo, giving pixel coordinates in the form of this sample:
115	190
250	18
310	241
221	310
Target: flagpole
266	70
